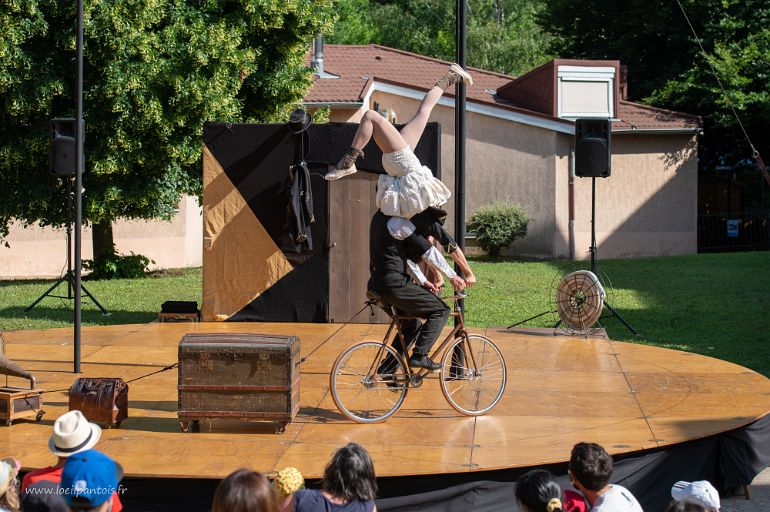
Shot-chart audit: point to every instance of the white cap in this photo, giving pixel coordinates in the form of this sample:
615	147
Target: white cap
699	493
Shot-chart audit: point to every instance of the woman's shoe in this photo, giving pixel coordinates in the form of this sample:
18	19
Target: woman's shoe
454	75
346	165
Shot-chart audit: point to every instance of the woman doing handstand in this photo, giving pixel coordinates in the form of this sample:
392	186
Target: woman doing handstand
409	187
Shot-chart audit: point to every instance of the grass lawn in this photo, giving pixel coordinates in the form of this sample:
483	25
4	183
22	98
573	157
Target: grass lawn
712	304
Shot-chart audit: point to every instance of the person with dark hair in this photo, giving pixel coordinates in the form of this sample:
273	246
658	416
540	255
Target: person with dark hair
590	470
245	490
682	506
538	491
349	485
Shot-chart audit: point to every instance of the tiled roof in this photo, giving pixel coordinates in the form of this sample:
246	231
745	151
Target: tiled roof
357	66
635	116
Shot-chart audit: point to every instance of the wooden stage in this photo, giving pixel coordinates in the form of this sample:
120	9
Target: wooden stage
561	390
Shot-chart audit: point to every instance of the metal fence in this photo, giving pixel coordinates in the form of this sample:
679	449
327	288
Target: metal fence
734	231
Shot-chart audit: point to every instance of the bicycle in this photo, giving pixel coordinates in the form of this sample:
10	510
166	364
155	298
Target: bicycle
370	379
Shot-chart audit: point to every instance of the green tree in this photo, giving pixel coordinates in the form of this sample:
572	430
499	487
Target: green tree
155	71
667	67
503	35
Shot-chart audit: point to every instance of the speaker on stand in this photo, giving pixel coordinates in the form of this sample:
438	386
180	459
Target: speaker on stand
580	295
62	152
593	159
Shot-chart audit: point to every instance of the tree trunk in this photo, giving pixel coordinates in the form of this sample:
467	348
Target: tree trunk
102	239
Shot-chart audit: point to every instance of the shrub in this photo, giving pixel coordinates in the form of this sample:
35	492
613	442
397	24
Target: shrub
117	266
497	225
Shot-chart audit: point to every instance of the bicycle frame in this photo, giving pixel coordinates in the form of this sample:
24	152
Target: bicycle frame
459	329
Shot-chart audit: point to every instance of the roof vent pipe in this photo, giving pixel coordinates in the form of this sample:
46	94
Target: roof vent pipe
317	62
317	59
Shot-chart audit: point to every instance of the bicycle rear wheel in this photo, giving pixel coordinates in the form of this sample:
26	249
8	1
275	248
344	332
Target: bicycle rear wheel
362	393
473	375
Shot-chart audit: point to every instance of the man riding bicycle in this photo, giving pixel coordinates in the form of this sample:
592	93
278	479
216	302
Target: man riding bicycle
395	247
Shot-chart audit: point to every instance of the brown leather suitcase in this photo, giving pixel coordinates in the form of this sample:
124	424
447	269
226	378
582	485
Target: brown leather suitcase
100	399
238	376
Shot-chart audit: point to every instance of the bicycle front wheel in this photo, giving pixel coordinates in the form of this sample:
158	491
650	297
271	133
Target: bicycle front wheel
368	382
473	375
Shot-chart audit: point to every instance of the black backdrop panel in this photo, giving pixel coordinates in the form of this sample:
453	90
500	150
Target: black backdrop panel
328	142
256	158
294	298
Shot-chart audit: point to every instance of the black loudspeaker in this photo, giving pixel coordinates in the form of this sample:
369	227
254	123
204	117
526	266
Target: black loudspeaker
62	147
592	147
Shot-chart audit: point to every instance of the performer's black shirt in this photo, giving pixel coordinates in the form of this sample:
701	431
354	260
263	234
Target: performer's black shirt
387	256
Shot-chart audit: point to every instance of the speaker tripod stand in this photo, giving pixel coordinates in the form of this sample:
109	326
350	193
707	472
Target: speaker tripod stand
593	252
69	275
592	249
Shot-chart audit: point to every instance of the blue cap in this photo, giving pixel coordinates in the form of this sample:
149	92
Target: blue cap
89	479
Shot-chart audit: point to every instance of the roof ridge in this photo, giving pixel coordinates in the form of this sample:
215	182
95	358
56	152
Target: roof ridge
660	109
434	59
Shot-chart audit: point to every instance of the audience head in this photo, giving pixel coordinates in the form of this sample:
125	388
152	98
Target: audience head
590	466
350	474
88	481
9	490
288	481
43	496
538	491
245	490
680	506
697	493
73	433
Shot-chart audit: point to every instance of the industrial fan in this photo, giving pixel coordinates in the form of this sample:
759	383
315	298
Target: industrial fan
578	301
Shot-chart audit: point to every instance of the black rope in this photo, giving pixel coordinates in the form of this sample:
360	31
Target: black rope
367	305
754	152
164	369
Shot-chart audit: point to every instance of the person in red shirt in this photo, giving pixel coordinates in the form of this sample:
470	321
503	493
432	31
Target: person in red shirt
72	433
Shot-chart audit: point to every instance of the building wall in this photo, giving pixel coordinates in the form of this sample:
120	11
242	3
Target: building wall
41	252
648	206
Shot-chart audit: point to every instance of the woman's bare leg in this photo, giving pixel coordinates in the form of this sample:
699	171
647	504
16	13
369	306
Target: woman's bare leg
372	125
385	134
412	131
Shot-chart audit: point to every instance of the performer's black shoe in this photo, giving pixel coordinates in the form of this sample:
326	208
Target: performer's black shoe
423	361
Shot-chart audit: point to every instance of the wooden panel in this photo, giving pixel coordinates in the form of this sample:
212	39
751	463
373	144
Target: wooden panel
352	207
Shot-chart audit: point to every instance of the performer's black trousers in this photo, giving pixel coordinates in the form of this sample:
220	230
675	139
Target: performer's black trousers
413	300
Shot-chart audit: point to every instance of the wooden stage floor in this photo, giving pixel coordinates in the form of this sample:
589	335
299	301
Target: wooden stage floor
561	390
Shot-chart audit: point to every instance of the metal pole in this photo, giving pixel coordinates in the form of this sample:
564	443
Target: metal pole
462	10
460	129
79	166
68	231
593	224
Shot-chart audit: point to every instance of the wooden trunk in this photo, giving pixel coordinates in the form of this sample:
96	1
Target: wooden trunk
100	399
18	403
243	376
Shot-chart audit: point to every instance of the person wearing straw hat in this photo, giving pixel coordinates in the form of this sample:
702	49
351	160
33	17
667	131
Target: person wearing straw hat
9	491
72	434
